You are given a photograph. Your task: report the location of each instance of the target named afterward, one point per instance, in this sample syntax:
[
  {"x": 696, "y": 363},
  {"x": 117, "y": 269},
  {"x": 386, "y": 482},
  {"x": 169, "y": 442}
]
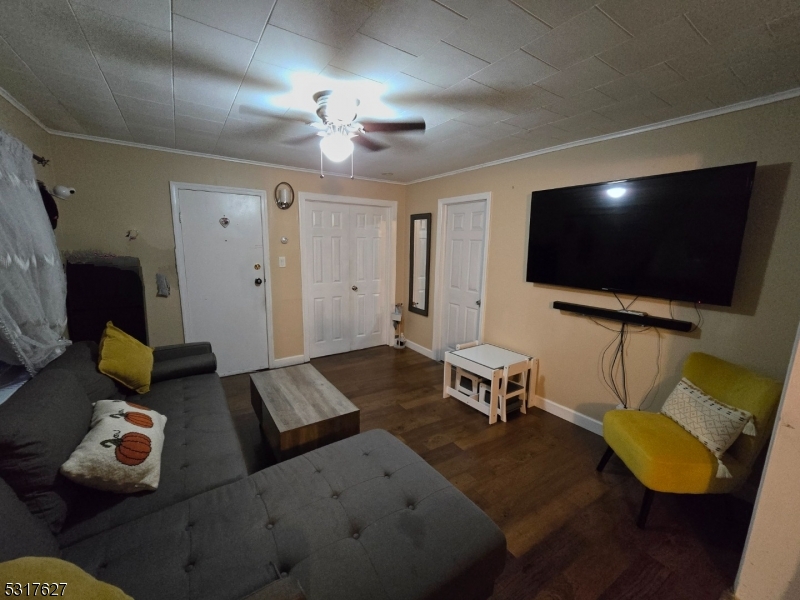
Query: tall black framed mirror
[{"x": 420, "y": 264}]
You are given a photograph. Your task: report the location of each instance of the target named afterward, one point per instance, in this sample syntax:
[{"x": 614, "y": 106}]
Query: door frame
[
  {"x": 438, "y": 288},
  {"x": 304, "y": 198},
  {"x": 174, "y": 189}
]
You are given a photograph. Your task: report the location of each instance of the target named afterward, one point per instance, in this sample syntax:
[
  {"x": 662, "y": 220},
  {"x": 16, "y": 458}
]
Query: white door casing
[
  {"x": 461, "y": 255},
  {"x": 217, "y": 273},
  {"x": 366, "y": 260}
]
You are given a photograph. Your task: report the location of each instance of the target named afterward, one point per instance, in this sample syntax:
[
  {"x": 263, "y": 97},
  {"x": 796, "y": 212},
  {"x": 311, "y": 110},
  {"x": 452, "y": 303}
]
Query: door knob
[
  {"x": 478, "y": 302},
  {"x": 258, "y": 281},
  {"x": 354, "y": 288}
]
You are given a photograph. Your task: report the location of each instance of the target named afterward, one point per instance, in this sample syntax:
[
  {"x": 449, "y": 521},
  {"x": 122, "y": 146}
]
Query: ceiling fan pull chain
[
  {"x": 321, "y": 171},
  {"x": 351, "y": 166}
]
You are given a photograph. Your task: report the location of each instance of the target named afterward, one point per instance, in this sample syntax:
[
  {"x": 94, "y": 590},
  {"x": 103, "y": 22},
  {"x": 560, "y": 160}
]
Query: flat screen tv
[{"x": 675, "y": 236}]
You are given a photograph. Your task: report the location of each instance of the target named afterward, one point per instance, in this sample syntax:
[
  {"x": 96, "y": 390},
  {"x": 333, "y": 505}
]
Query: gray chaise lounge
[{"x": 364, "y": 518}]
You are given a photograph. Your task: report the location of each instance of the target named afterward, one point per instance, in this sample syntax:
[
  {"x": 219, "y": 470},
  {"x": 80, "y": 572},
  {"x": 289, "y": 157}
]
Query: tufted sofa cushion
[
  {"x": 364, "y": 518},
  {"x": 40, "y": 425},
  {"x": 22, "y": 534},
  {"x": 80, "y": 359},
  {"x": 201, "y": 452}
]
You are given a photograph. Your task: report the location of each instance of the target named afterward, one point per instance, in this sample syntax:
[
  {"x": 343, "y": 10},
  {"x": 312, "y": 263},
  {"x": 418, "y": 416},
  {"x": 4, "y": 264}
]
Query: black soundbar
[{"x": 624, "y": 317}]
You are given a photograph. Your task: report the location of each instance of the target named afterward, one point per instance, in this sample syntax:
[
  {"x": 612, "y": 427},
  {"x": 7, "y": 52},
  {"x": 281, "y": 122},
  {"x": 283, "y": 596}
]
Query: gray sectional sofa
[{"x": 364, "y": 518}]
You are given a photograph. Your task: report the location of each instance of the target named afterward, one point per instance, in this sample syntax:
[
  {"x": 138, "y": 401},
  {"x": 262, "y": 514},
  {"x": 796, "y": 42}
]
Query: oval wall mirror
[{"x": 284, "y": 195}]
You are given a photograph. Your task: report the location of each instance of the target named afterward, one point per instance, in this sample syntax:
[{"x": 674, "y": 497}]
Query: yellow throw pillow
[
  {"x": 125, "y": 359},
  {"x": 33, "y": 575}
]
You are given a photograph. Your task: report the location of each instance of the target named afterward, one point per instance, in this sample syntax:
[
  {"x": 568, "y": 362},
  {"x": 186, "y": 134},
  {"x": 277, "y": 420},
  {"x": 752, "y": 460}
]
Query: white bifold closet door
[{"x": 347, "y": 302}]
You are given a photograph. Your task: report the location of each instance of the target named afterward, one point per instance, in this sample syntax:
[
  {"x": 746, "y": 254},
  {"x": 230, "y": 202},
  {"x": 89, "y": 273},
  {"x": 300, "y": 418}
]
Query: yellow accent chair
[{"x": 666, "y": 458}]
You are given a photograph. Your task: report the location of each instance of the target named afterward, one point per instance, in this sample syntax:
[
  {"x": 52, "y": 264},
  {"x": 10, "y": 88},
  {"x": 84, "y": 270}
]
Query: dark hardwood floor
[{"x": 571, "y": 531}]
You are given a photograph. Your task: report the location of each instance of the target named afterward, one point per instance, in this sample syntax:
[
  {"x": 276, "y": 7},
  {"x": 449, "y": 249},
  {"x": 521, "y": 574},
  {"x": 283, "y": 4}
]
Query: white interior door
[
  {"x": 463, "y": 272},
  {"x": 367, "y": 235},
  {"x": 346, "y": 285},
  {"x": 330, "y": 294},
  {"x": 222, "y": 240}
]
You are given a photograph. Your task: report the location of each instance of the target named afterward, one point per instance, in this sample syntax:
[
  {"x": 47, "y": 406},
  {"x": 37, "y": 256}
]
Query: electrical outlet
[{"x": 281, "y": 261}]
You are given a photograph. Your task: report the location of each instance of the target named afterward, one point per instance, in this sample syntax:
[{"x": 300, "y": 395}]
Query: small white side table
[{"x": 497, "y": 365}]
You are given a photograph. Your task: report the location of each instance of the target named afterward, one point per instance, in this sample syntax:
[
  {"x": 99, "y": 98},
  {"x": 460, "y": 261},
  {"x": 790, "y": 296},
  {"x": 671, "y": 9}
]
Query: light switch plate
[{"x": 281, "y": 261}]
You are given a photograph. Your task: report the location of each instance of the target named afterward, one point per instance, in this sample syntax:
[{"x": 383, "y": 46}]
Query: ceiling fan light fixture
[
  {"x": 336, "y": 107},
  {"x": 341, "y": 107},
  {"x": 336, "y": 146}
]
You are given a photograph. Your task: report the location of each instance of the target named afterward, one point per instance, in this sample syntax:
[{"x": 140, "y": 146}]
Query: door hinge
[{"x": 179, "y": 217}]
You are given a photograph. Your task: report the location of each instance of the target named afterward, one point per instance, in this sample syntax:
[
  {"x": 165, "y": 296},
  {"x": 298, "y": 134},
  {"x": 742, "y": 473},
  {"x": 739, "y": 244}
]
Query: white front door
[
  {"x": 346, "y": 284},
  {"x": 222, "y": 239},
  {"x": 463, "y": 272}
]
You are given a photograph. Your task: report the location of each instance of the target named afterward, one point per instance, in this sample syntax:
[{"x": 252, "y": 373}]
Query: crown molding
[
  {"x": 80, "y": 136},
  {"x": 244, "y": 161},
  {"x": 706, "y": 114},
  {"x": 13, "y": 101}
]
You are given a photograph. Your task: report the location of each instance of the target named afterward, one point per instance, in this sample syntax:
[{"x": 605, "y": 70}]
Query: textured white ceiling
[{"x": 492, "y": 78}]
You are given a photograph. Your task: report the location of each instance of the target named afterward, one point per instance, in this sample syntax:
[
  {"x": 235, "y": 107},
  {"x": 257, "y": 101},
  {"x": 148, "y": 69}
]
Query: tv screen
[{"x": 675, "y": 236}]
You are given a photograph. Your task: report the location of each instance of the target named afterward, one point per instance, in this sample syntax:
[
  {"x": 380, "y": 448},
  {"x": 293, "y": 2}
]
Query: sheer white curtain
[{"x": 33, "y": 288}]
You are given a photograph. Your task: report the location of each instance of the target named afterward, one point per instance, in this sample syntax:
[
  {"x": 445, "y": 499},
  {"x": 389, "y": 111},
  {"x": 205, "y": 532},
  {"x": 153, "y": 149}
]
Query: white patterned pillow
[
  {"x": 715, "y": 424},
  {"x": 122, "y": 451}
]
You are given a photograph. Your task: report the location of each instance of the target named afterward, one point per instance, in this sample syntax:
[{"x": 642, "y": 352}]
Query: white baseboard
[
  {"x": 569, "y": 414},
  {"x": 420, "y": 349},
  {"x": 288, "y": 361}
]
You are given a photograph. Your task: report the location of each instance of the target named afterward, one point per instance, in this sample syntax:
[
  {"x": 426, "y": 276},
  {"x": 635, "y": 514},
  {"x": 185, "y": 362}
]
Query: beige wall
[
  {"x": 757, "y": 331},
  {"x": 121, "y": 188},
  {"x": 770, "y": 567}
]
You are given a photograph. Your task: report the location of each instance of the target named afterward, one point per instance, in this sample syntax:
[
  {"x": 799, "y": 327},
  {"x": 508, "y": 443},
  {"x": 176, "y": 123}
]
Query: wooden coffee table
[{"x": 300, "y": 410}]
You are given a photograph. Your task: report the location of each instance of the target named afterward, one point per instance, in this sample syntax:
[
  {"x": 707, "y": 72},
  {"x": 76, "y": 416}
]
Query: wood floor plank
[
  {"x": 642, "y": 580},
  {"x": 571, "y": 531}
]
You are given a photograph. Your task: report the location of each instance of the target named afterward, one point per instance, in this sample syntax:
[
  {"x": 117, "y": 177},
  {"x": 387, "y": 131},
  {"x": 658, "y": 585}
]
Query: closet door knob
[
  {"x": 258, "y": 281},
  {"x": 354, "y": 288}
]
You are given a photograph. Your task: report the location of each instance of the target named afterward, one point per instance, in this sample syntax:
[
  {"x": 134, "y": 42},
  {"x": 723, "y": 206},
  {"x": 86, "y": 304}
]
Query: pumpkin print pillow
[{"x": 122, "y": 451}]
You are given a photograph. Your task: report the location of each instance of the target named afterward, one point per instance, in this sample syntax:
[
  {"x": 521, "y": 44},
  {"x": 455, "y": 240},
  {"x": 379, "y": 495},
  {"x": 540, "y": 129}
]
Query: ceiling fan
[{"x": 340, "y": 130}]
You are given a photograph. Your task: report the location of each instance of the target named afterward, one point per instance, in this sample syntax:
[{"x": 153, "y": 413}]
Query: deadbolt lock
[{"x": 257, "y": 267}]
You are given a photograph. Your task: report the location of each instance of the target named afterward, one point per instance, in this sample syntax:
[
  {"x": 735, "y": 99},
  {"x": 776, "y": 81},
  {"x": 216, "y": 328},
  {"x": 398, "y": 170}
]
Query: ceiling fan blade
[
  {"x": 369, "y": 144},
  {"x": 303, "y": 139},
  {"x": 259, "y": 112},
  {"x": 392, "y": 126}
]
